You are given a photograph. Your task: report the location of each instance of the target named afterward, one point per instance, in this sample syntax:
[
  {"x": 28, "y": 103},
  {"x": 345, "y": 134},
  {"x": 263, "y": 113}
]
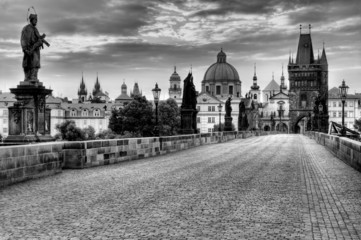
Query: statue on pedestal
[
  {"x": 228, "y": 107},
  {"x": 31, "y": 42}
]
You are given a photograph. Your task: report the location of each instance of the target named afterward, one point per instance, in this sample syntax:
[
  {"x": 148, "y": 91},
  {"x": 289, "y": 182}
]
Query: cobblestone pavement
[{"x": 270, "y": 187}]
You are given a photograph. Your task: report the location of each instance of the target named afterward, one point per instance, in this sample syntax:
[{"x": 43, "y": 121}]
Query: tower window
[
  {"x": 303, "y": 100},
  {"x": 175, "y": 86},
  {"x": 218, "y": 90},
  {"x": 230, "y": 88},
  {"x": 255, "y": 96},
  {"x": 207, "y": 89}
]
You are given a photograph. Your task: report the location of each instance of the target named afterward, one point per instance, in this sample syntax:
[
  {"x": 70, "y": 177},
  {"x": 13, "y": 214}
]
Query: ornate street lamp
[
  {"x": 219, "y": 110},
  {"x": 156, "y": 94},
  {"x": 343, "y": 95}
]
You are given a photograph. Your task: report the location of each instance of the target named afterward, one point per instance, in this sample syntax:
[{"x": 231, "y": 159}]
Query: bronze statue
[
  {"x": 31, "y": 42},
  {"x": 228, "y": 107}
]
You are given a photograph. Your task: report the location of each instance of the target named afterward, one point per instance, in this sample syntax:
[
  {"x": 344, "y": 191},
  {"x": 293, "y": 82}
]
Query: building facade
[{"x": 308, "y": 79}]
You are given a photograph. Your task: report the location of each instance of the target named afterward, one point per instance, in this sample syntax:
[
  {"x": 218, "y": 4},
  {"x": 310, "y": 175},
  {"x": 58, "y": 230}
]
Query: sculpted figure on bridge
[
  {"x": 228, "y": 107},
  {"x": 31, "y": 42},
  {"x": 189, "y": 100}
]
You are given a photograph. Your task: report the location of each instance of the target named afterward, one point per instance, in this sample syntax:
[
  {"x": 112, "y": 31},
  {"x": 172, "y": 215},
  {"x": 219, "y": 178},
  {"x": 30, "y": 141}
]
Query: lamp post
[
  {"x": 343, "y": 94},
  {"x": 156, "y": 94},
  {"x": 219, "y": 110}
]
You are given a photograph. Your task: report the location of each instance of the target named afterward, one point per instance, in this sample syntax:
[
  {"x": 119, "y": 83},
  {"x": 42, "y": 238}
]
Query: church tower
[
  {"x": 175, "y": 90},
  {"x": 255, "y": 92},
  {"x": 82, "y": 91},
  {"x": 97, "y": 89},
  {"x": 308, "y": 80},
  {"x": 283, "y": 85}
]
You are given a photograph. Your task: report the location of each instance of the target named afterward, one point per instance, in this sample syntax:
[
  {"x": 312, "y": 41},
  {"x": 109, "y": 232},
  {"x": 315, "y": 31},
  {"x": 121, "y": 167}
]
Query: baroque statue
[
  {"x": 189, "y": 100},
  {"x": 31, "y": 42},
  {"x": 228, "y": 107}
]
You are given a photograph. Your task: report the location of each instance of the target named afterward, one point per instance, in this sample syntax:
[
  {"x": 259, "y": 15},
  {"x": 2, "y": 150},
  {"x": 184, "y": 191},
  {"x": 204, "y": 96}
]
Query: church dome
[
  {"x": 221, "y": 70},
  {"x": 124, "y": 86},
  {"x": 175, "y": 76}
]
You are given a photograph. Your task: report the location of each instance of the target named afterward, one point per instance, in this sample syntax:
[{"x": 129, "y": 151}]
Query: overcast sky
[{"x": 141, "y": 40}]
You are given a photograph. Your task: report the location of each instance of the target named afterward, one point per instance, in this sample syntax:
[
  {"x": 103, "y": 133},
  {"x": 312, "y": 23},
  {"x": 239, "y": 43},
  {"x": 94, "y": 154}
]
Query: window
[
  {"x": 303, "y": 100},
  {"x": 84, "y": 113},
  {"x": 175, "y": 86},
  {"x": 211, "y": 108},
  {"x": 339, "y": 104},
  {"x": 73, "y": 113},
  {"x": 199, "y": 108},
  {"x": 350, "y": 114},
  {"x": 335, "y": 104},
  {"x": 351, "y": 104},
  {"x": 5, "y": 121},
  {"x": 96, "y": 113},
  {"x": 218, "y": 90},
  {"x": 209, "y": 130},
  {"x": 230, "y": 88},
  {"x": 211, "y": 119},
  {"x": 5, "y": 130},
  {"x": 339, "y": 114},
  {"x": 334, "y": 114},
  {"x": 207, "y": 89},
  {"x": 255, "y": 96},
  {"x": 198, "y": 120}
]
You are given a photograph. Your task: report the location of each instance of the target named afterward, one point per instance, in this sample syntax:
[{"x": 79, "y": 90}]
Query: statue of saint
[
  {"x": 31, "y": 42},
  {"x": 228, "y": 107},
  {"x": 189, "y": 100}
]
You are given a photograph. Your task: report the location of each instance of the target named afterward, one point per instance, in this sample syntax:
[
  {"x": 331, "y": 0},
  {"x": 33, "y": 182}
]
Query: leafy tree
[
  {"x": 89, "y": 133},
  {"x": 69, "y": 131},
  {"x": 106, "y": 134},
  {"x": 136, "y": 117},
  {"x": 169, "y": 117}
]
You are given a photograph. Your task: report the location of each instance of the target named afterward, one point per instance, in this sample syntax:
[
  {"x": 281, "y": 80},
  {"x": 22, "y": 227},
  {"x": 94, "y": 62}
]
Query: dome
[
  {"x": 124, "y": 86},
  {"x": 221, "y": 70},
  {"x": 175, "y": 76}
]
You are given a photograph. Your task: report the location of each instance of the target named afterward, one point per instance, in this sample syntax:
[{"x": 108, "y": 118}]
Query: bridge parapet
[
  {"x": 348, "y": 150},
  {"x": 23, "y": 162}
]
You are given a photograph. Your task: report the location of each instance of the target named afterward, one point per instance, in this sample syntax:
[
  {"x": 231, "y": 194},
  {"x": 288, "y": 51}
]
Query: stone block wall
[
  {"x": 104, "y": 152},
  {"x": 346, "y": 149},
  {"x": 20, "y": 163}
]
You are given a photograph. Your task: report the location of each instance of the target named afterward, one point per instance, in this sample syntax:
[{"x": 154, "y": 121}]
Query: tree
[
  {"x": 136, "y": 117},
  {"x": 69, "y": 131},
  {"x": 89, "y": 133},
  {"x": 169, "y": 117}
]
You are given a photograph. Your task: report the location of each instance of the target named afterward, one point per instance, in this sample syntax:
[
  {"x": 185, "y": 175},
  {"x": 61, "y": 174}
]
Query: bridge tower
[{"x": 308, "y": 79}]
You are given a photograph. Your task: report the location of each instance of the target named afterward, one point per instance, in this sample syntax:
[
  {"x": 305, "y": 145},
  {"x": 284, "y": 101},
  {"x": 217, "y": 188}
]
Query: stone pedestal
[
  {"x": 188, "y": 121},
  {"x": 228, "y": 123},
  {"x": 29, "y": 119},
  {"x": 323, "y": 123}
]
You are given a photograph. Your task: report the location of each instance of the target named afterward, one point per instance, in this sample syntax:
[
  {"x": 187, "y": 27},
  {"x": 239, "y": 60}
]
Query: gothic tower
[
  {"x": 82, "y": 91},
  {"x": 97, "y": 89},
  {"x": 175, "y": 90},
  {"x": 255, "y": 92},
  {"x": 308, "y": 79}
]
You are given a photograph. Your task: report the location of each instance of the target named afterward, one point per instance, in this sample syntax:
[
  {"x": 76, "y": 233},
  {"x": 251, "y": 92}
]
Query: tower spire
[
  {"x": 300, "y": 28},
  {"x": 254, "y": 69},
  {"x": 175, "y": 68}
]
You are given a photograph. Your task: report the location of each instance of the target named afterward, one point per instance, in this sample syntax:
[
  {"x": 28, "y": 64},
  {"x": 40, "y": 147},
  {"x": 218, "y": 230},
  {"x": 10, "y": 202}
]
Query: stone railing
[
  {"x": 346, "y": 149},
  {"x": 20, "y": 163}
]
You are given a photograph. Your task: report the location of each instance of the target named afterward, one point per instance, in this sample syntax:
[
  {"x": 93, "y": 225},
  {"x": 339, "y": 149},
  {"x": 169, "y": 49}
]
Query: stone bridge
[{"x": 266, "y": 187}]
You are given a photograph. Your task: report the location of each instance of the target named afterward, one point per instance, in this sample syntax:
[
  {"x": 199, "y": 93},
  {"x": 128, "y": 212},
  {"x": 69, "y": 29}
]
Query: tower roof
[
  {"x": 323, "y": 56},
  {"x": 305, "y": 50},
  {"x": 82, "y": 88},
  {"x": 273, "y": 85}
]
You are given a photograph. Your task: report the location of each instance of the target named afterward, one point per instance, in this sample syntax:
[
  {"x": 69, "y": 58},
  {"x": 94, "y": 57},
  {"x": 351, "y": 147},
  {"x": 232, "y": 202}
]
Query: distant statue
[
  {"x": 31, "y": 42},
  {"x": 189, "y": 100},
  {"x": 242, "y": 118},
  {"x": 228, "y": 107}
]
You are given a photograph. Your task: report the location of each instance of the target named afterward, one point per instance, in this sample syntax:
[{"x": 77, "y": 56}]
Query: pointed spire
[
  {"x": 289, "y": 57},
  {"x": 273, "y": 76},
  {"x": 175, "y": 69},
  {"x": 254, "y": 69},
  {"x": 309, "y": 28},
  {"x": 323, "y": 56}
]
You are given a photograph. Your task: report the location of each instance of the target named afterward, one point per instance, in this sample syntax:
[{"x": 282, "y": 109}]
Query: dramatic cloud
[{"x": 140, "y": 41}]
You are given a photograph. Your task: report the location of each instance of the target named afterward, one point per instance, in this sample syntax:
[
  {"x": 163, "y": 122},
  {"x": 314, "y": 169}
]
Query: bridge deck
[{"x": 274, "y": 187}]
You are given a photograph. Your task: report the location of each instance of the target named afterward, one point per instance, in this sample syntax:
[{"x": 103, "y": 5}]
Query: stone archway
[
  {"x": 300, "y": 125},
  {"x": 267, "y": 128},
  {"x": 282, "y": 127}
]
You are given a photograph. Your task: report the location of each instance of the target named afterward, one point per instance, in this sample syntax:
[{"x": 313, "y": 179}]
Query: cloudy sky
[{"x": 141, "y": 40}]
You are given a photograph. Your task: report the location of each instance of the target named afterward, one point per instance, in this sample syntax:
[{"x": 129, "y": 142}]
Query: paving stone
[{"x": 267, "y": 187}]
